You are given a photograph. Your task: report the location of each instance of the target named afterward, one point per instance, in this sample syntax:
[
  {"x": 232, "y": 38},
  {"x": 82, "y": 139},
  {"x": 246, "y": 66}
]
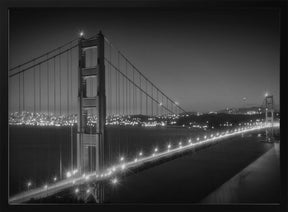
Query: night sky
[{"x": 204, "y": 59}]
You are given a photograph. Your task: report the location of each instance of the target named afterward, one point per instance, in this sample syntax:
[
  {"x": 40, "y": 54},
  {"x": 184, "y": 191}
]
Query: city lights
[
  {"x": 44, "y": 119},
  {"x": 49, "y": 119}
]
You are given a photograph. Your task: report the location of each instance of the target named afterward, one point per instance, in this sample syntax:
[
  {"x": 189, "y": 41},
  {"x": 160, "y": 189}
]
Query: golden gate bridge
[{"x": 90, "y": 84}]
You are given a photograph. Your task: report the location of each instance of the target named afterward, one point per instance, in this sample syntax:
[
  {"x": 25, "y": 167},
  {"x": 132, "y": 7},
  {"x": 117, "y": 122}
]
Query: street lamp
[{"x": 29, "y": 184}]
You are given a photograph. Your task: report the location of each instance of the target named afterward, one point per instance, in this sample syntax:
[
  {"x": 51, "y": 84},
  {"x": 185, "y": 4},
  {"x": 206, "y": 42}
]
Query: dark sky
[{"x": 204, "y": 59}]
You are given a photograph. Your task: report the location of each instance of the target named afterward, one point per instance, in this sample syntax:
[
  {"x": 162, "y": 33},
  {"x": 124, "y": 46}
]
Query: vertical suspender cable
[
  {"x": 133, "y": 90},
  {"x": 123, "y": 102},
  {"x": 109, "y": 94},
  {"x": 146, "y": 97},
  {"x": 161, "y": 104},
  {"x": 126, "y": 87},
  {"x": 118, "y": 81},
  {"x": 68, "y": 112},
  {"x": 71, "y": 124},
  {"x": 167, "y": 106},
  {"x": 136, "y": 106},
  {"x": 54, "y": 83},
  {"x": 71, "y": 80},
  {"x": 34, "y": 92},
  {"x": 110, "y": 79},
  {"x": 40, "y": 87},
  {"x": 48, "y": 102},
  {"x": 130, "y": 98},
  {"x": 140, "y": 95},
  {"x": 137, "y": 99},
  {"x": 116, "y": 91},
  {"x": 157, "y": 101},
  {"x": 23, "y": 84},
  {"x": 60, "y": 81},
  {"x": 174, "y": 109},
  {"x": 152, "y": 100},
  {"x": 19, "y": 101}
]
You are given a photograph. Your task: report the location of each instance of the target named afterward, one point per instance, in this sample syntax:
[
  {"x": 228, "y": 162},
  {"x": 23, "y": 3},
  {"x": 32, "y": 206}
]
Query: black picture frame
[{"x": 7, "y": 5}]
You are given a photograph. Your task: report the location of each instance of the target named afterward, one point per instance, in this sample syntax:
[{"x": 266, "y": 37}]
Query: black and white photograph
[{"x": 143, "y": 105}]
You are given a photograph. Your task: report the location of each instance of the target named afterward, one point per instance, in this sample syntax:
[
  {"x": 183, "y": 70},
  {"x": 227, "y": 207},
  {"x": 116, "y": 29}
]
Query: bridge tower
[
  {"x": 269, "y": 117},
  {"x": 91, "y": 142}
]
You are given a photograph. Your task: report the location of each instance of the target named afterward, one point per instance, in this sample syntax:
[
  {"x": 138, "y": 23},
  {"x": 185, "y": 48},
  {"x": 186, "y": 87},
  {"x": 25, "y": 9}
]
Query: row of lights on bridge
[{"x": 180, "y": 143}]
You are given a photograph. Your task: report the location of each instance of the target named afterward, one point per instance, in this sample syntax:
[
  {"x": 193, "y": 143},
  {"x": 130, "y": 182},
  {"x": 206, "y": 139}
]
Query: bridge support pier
[
  {"x": 269, "y": 117},
  {"x": 91, "y": 139}
]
